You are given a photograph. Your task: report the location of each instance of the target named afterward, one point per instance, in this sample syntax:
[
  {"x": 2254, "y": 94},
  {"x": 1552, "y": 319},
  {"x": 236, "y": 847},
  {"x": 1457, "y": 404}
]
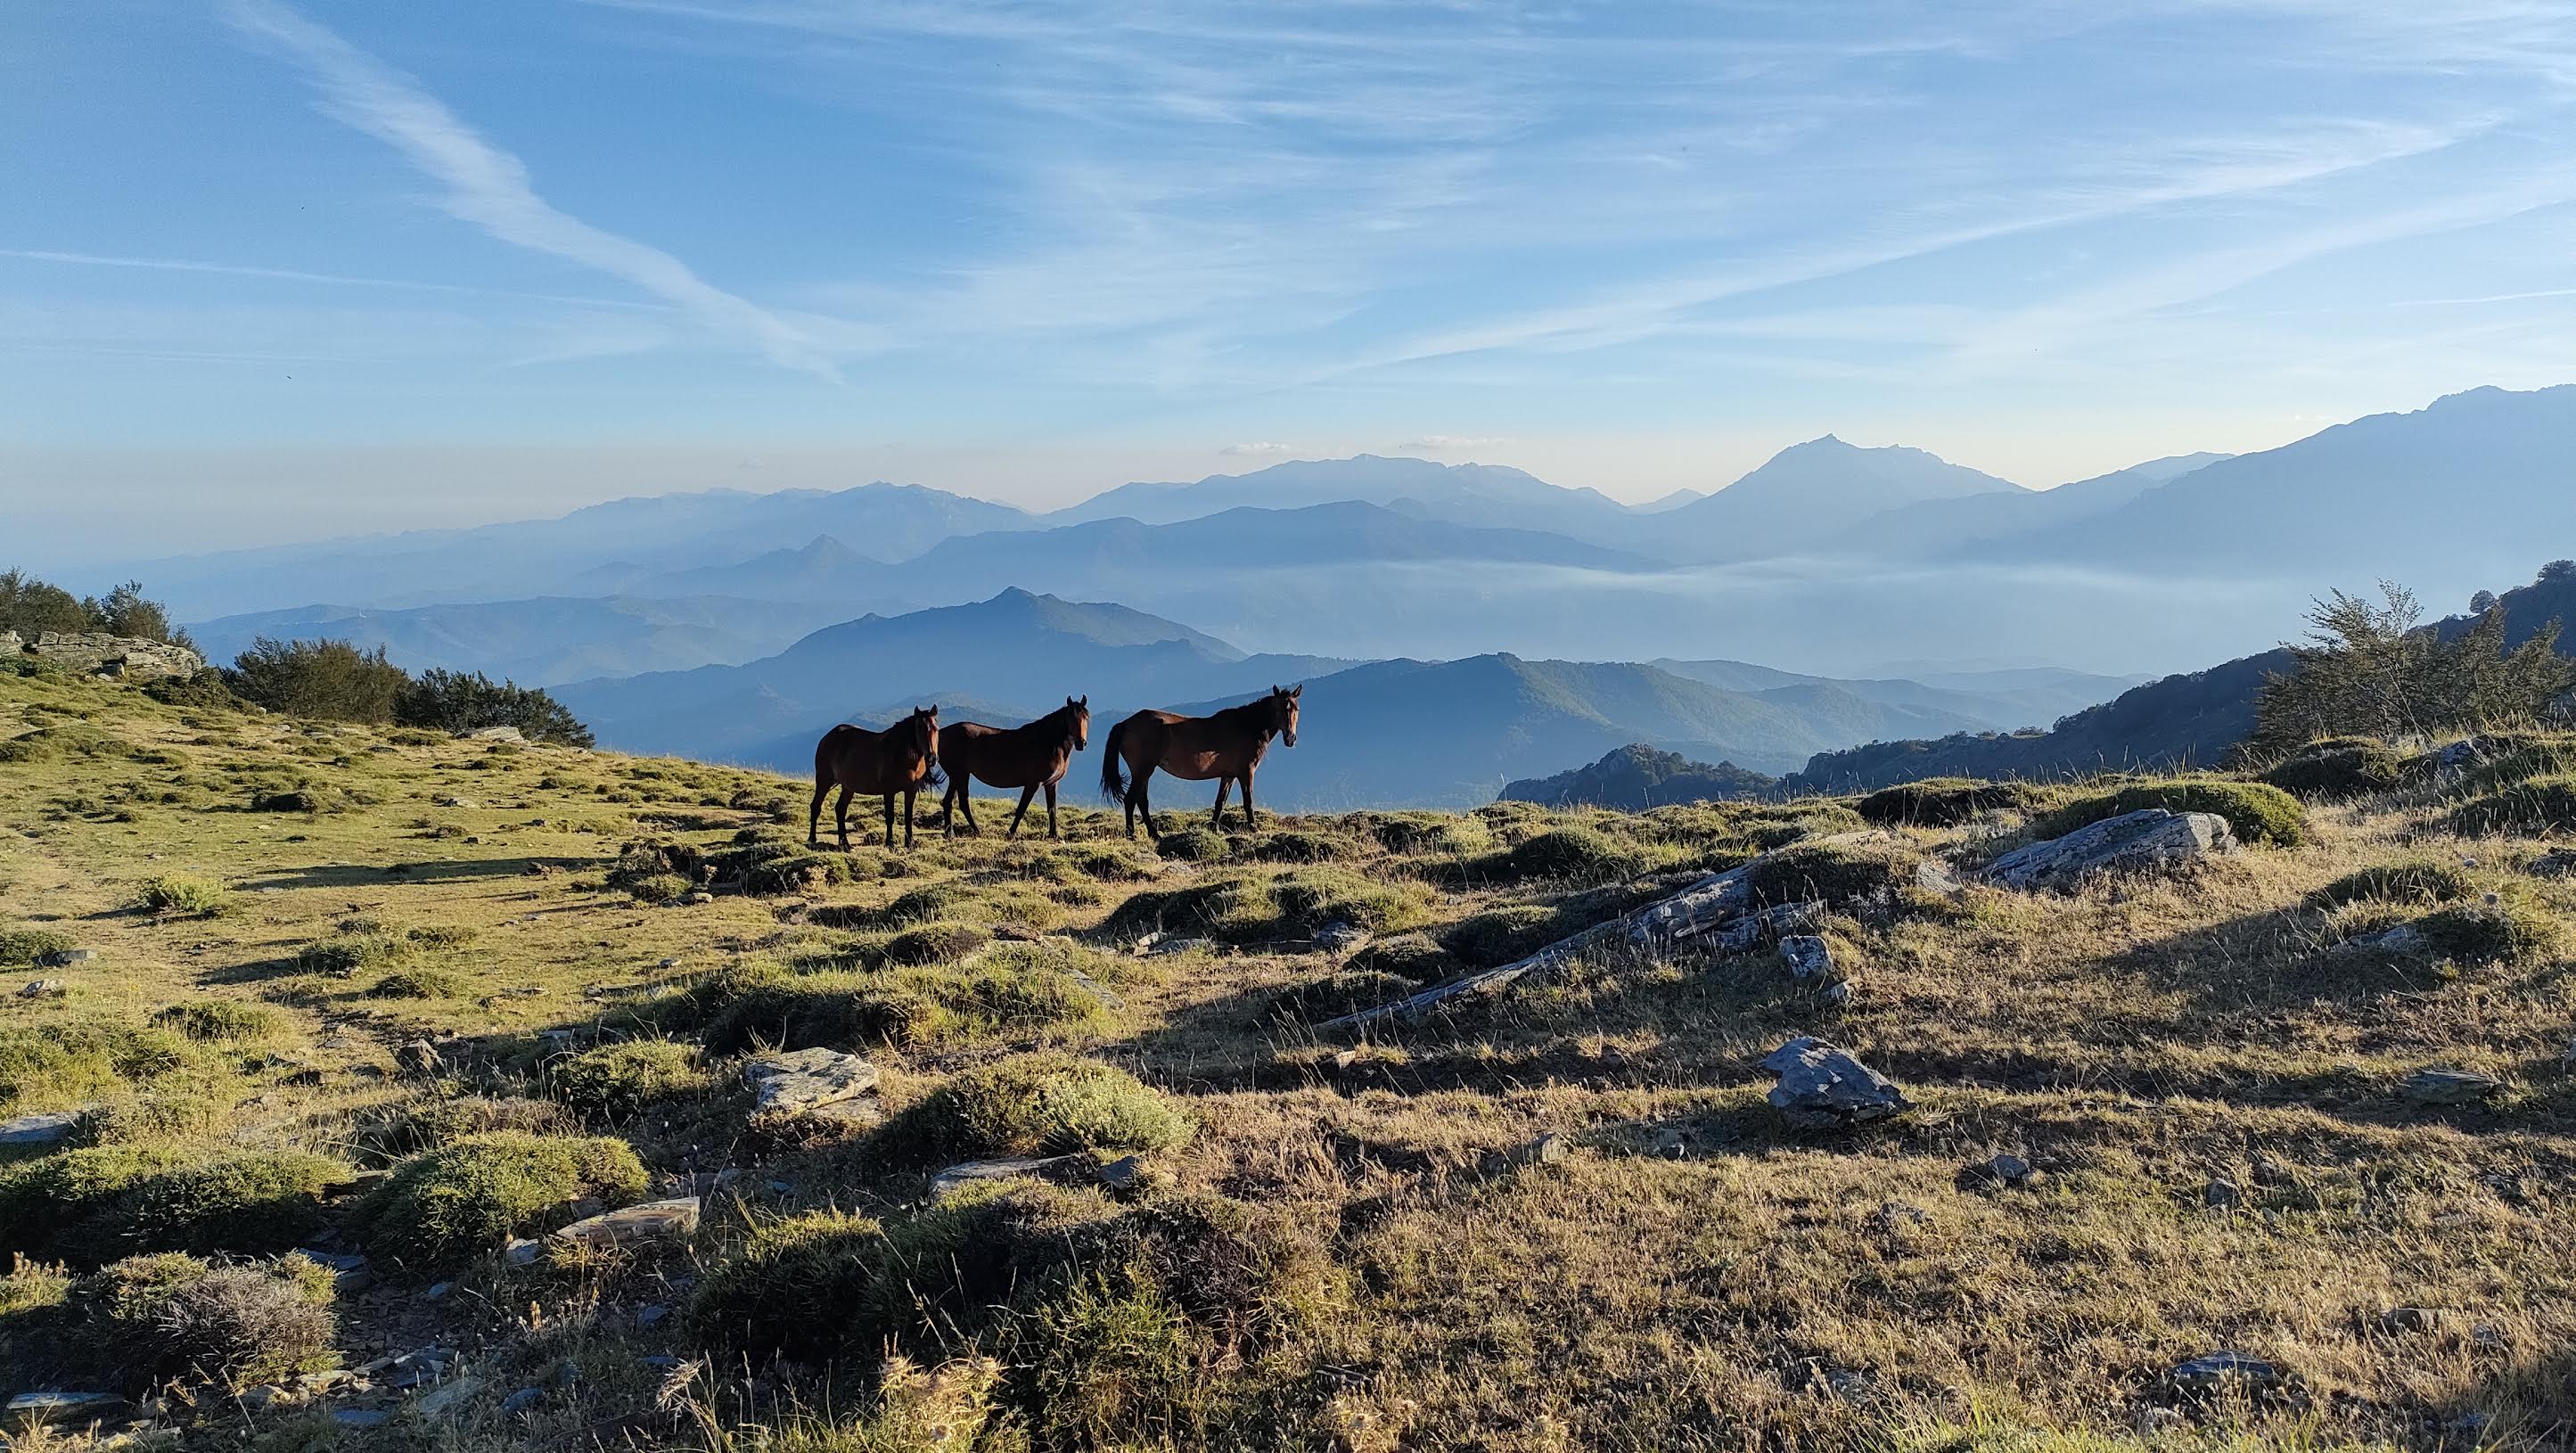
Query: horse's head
[
  {"x": 1283, "y": 711},
  {"x": 921, "y": 732},
  {"x": 1079, "y": 708}
]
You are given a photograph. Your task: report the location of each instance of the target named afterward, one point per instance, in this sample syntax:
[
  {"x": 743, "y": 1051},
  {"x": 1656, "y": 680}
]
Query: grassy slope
[{"x": 1754, "y": 1289}]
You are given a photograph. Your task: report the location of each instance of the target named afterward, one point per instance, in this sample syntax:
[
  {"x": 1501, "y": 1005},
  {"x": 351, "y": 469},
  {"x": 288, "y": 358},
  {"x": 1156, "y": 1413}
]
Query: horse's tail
[{"x": 1113, "y": 763}]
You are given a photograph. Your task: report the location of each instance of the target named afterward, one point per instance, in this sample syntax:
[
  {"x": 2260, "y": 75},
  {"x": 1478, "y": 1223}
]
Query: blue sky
[{"x": 276, "y": 269}]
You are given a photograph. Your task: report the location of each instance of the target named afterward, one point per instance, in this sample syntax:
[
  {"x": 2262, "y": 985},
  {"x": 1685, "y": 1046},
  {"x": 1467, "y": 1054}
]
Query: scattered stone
[
  {"x": 2405, "y": 939},
  {"x": 2556, "y": 863},
  {"x": 650, "y": 1221},
  {"x": 974, "y": 1172},
  {"x": 45, "y": 1128},
  {"x": 668, "y": 964},
  {"x": 1669, "y": 1144},
  {"x": 1838, "y": 992},
  {"x": 1934, "y": 876},
  {"x": 420, "y": 1057},
  {"x": 1807, "y": 956},
  {"x": 454, "y": 802},
  {"x": 350, "y": 1273},
  {"x": 1089, "y": 985},
  {"x": 1160, "y": 947},
  {"x": 437, "y": 1290},
  {"x": 1123, "y": 1174},
  {"x": 33, "y": 1409},
  {"x": 1753, "y": 929},
  {"x": 2139, "y": 841},
  {"x": 522, "y": 1400},
  {"x": 2448, "y": 1087},
  {"x": 523, "y": 1252},
  {"x": 697, "y": 896},
  {"x": 495, "y": 734},
  {"x": 419, "y": 1369},
  {"x": 805, "y": 1080},
  {"x": 1553, "y": 1148},
  {"x": 2221, "y": 1194},
  {"x": 45, "y": 989},
  {"x": 648, "y": 1316},
  {"x": 360, "y": 1419},
  {"x": 64, "y": 958},
  {"x": 97, "y": 653},
  {"x": 260, "y": 1398},
  {"x": 444, "y": 1400},
  {"x": 2410, "y": 1319},
  {"x": 2007, "y": 1169},
  {"x": 1898, "y": 1216},
  {"x": 2220, "y": 1369},
  {"x": 1824, "y": 1087},
  {"x": 1341, "y": 938}
]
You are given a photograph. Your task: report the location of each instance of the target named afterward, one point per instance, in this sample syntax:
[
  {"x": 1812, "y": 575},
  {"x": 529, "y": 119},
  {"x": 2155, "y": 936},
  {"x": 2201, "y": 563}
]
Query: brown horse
[
  {"x": 899, "y": 759},
  {"x": 1027, "y": 757},
  {"x": 1226, "y": 746}
]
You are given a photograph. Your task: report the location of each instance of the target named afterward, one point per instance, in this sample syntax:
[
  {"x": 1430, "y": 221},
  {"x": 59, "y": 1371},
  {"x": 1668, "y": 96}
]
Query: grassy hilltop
[{"x": 396, "y": 995}]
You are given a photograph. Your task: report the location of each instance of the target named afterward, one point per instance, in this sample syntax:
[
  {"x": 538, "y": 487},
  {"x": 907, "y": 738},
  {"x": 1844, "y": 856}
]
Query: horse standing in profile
[
  {"x": 902, "y": 758},
  {"x": 1028, "y": 757},
  {"x": 1226, "y": 746}
]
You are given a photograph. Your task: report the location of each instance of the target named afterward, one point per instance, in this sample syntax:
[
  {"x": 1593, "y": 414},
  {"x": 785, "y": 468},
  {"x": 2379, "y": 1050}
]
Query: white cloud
[
  {"x": 492, "y": 189},
  {"x": 1257, "y": 449},
  {"x": 1451, "y": 443}
]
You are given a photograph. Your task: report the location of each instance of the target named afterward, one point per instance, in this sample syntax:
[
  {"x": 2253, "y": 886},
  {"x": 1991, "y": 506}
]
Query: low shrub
[
  {"x": 2334, "y": 768},
  {"x": 1298, "y": 847},
  {"x": 466, "y": 1196},
  {"x": 417, "y": 984},
  {"x": 223, "y": 1020},
  {"x": 657, "y": 888},
  {"x": 65, "y": 1061},
  {"x": 1568, "y": 853},
  {"x": 406, "y": 1130},
  {"x": 1944, "y": 801},
  {"x": 310, "y": 798},
  {"x": 1414, "y": 956},
  {"x": 935, "y": 943},
  {"x": 1245, "y": 907},
  {"x": 436, "y": 936},
  {"x": 1048, "y": 1103},
  {"x": 2414, "y": 882},
  {"x": 103, "y": 1201},
  {"x": 1335, "y": 995},
  {"x": 1417, "y": 834},
  {"x": 2541, "y": 805},
  {"x": 615, "y": 1079},
  {"x": 1838, "y": 874},
  {"x": 342, "y": 957},
  {"x": 178, "y": 893},
  {"x": 790, "y": 1289},
  {"x": 173, "y": 1315},
  {"x": 21, "y": 946},
  {"x": 2501, "y": 930},
  {"x": 2257, "y": 812},
  {"x": 1193, "y": 845},
  {"x": 1501, "y": 935},
  {"x": 795, "y": 873}
]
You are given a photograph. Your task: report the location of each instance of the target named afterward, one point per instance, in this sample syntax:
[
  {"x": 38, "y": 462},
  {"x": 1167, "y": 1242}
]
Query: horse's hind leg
[
  {"x": 841, "y": 818},
  {"x": 1216, "y": 815},
  {"x": 1144, "y": 805},
  {"x": 1025, "y": 794}
]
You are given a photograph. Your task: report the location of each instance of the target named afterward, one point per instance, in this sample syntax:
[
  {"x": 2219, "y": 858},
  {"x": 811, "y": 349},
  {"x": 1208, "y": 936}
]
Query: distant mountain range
[
  {"x": 541, "y": 642},
  {"x": 1438, "y": 733}
]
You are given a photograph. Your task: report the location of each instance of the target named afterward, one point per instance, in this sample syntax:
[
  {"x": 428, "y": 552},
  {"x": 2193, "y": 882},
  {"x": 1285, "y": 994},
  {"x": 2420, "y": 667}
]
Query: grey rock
[
  {"x": 653, "y": 1315},
  {"x": 1341, "y": 938},
  {"x": 446, "y": 1398},
  {"x": 2221, "y": 1194},
  {"x": 1824, "y": 1087},
  {"x": 650, "y": 1221},
  {"x": 260, "y": 1398},
  {"x": 45, "y": 989},
  {"x": 2556, "y": 863},
  {"x": 64, "y": 958},
  {"x": 522, "y": 1400},
  {"x": 523, "y": 1252},
  {"x": 1163, "y": 946},
  {"x": 2405, "y": 938},
  {"x": 1766, "y": 925},
  {"x": 495, "y": 734},
  {"x": 1669, "y": 1144},
  {"x": 2219, "y": 1369},
  {"x": 2007, "y": 1169},
  {"x": 974, "y": 1172},
  {"x": 1124, "y": 1173},
  {"x": 1934, "y": 876},
  {"x": 95, "y": 653},
  {"x": 46, "y": 1128},
  {"x": 350, "y": 1272},
  {"x": 436, "y": 1290},
  {"x": 420, "y": 1057},
  {"x": 30, "y": 1409},
  {"x": 2411, "y": 1319},
  {"x": 2448, "y": 1087},
  {"x": 2142, "y": 841},
  {"x": 1807, "y": 956},
  {"x": 1553, "y": 1148},
  {"x": 805, "y": 1080}
]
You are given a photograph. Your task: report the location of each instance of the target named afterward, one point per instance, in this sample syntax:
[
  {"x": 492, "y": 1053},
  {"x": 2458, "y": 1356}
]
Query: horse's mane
[{"x": 1239, "y": 715}]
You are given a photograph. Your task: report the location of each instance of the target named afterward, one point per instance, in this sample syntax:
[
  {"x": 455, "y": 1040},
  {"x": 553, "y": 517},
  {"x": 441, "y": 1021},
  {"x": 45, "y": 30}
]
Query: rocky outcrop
[
  {"x": 1826, "y": 1087},
  {"x": 811, "y": 1082},
  {"x": 2136, "y": 842},
  {"x": 95, "y": 653}
]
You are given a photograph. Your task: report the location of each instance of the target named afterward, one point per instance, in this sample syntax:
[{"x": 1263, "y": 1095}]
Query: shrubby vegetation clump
[
  {"x": 1837, "y": 874},
  {"x": 2257, "y": 812},
  {"x": 1046, "y": 1103},
  {"x": 94, "y": 1204},
  {"x": 2371, "y": 669},
  {"x": 232, "y": 1324},
  {"x": 616, "y": 1079},
  {"x": 333, "y": 680},
  {"x": 466, "y": 1196},
  {"x": 2541, "y": 805},
  {"x": 2332, "y": 769},
  {"x": 1946, "y": 801},
  {"x": 30, "y": 607},
  {"x": 2418, "y": 881}
]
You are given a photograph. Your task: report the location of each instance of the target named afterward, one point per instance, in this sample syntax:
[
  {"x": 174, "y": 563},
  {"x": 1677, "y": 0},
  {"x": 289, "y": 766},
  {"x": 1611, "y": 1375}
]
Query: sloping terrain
[{"x": 423, "y": 1004}]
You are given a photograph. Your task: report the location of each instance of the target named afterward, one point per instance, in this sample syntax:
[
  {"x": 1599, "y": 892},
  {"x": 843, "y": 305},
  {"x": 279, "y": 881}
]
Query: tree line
[{"x": 330, "y": 679}]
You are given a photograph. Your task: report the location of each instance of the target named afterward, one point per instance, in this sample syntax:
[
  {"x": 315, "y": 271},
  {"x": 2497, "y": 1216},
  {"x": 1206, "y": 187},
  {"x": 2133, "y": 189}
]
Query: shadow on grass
[{"x": 438, "y": 870}]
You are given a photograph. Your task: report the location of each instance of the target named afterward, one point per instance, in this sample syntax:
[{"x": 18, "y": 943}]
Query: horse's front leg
[
  {"x": 1216, "y": 814},
  {"x": 814, "y": 815},
  {"x": 1052, "y": 833},
  {"x": 1251, "y": 820},
  {"x": 1025, "y": 794}
]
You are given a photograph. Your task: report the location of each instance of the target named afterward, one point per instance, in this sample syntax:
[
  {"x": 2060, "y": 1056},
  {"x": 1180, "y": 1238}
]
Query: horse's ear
[
  {"x": 1085, "y": 702},
  {"x": 1300, "y": 691}
]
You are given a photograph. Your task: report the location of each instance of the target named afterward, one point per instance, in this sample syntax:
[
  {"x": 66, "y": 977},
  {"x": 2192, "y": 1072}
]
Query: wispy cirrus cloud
[
  {"x": 1451, "y": 443},
  {"x": 1256, "y": 450},
  {"x": 492, "y": 189}
]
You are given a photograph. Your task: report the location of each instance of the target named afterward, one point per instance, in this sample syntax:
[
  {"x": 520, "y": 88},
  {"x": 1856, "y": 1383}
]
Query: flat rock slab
[
  {"x": 806, "y": 1080},
  {"x": 671, "y": 1220},
  {"x": 2448, "y": 1087},
  {"x": 48, "y": 1128},
  {"x": 974, "y": 1172},
  {"x": 30, "y": 1409},
  {"x": 64, "y": 958},
  {"x": 1825, "y": 1087},
  {"x": 2148, "y": 840}
]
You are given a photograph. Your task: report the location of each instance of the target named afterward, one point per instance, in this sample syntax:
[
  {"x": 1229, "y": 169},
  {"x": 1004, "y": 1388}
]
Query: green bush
[
  {"x": 1838, "y": 874},
  {"x": 936, "y": 943},
  {"x": 657, "y": 888},
  {"x": 1566, "y": 852},
  {"x": 2335, "y": 768},
  {"x": 2506, "y": 930},
  {"x": 1335, "y": 995},
  {"x": 1502, "y": 935},
  {"x": 1429, "y": 833},
  {"x": 795, "y": 873},
  {"x": 615, "y": 1079},
  {"x": 2257, "y": 812},
  {"x": 2415, "y": 882},
  {"x": 20, "y": 946},
  {"x": 417, "y": 984},
  {"x": 409, "y": 1129},
  {"x": 1244, "y": 907},
  {"x": 173, "y": 1315},
  {"x": 223, "y": 1020},
  {"x": 177, "y": 893},
  {"x": 465, "y": 1197},
  {"x": 791, "y": 1288},
  {"x": 1193, "y": 845},
  {"x": 1048, "y": 1103},
  {"x": 342, "y": 957},
  {"x": 1299, "y": 847},
  {"x": 65, "y": 1061},
  {"x": 104, "y": 1201},
  {"x": 2541, "y": 805},
  {"x": 310, "y": 798},
  {"x": 1944, "y": 801},
  {"x": 328, "y": 679}
]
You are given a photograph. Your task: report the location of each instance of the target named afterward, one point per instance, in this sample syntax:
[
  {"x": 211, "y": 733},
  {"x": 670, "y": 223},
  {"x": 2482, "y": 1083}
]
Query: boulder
[
  {"x": 2146, "y": 840},
  {"x": 494, "y": 734},
  {"x": 2006, "y": 1169},
  {"x": 2214, "y": 1370},
  {"x": 1807, "y": 956},
  {"x": 1772, "y": 923},
  {"x": 44, "y": 989},
  {"x": 805, "y": 1080},
  {"x": 1341, "y": 938},
  {"x": 2448, "y": 1087},
  {"x": 64, "y": 958},
  {"x": 125, "y": 658},
  {"x": 649, "y": 1221},
  {"x": 420, "y": 1057},
  {"x": 958, "y": 1177},
  {"x": 1825, "y": 1087},
  {"x": 45, "y": 1128}
]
